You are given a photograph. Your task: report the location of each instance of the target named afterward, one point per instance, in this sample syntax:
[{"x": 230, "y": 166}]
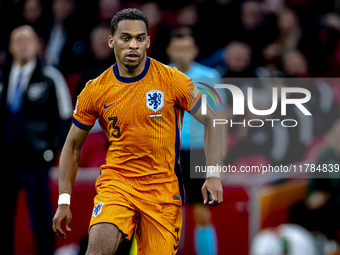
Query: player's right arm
[
  {"x": 84, "y": 117},
  {"x": 68, "y": 167}
]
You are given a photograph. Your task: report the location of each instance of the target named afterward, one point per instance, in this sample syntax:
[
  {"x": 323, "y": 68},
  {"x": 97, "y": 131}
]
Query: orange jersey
[{"x": 142, "y": 117}]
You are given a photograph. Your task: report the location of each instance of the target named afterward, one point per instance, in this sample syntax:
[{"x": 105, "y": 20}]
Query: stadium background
[{"x": 293, "y": 38}]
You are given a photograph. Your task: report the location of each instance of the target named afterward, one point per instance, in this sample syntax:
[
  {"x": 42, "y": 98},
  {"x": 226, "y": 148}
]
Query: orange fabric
[
  {"x": 143, "y": 152},
  {"x": 158, "y": 226}
]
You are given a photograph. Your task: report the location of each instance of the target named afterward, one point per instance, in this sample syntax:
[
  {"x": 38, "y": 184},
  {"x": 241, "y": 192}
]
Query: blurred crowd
[
  {"x": 238, "y": 38},
  {"x": 276, "y": 40},
  {"x": 297, "y": 37}
]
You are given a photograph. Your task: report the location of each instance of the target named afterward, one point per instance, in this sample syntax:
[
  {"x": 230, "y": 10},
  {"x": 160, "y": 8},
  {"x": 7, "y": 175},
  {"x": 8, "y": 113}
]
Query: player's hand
[
  {"x": 63, "y": 213},
  {"x": 214, "y": 186}
]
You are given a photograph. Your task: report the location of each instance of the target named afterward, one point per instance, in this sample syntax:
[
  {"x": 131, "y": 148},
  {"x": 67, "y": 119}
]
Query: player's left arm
[
  {"x": 213, "y": 146},
  {"x": 188, "y": 97}
]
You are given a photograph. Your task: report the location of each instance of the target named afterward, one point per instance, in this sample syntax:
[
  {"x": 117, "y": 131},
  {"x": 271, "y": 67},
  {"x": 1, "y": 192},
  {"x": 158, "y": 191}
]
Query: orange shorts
[{"x": 157, "y": 226}]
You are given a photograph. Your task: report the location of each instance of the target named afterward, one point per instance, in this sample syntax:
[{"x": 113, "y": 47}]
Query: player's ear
[
  {"x": 111, "y": 41},
  {"x": 148, "y": 46}
]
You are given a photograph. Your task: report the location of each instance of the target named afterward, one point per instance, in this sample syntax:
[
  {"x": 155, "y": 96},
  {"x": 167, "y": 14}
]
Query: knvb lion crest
[
  {"x": 97, "y": 209},
  {"x": 155, "y": 100}
]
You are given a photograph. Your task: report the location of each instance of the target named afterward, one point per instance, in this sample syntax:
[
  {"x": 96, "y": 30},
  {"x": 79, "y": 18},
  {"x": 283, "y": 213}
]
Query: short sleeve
[
  {"x": 187, "y": 96},
  {"x": 84, "y": 115}
]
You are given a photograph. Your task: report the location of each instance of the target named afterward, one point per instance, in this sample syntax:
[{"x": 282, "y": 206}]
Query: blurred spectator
[
  {"x": 289, "y": 144},
  {"x": 34, "y": 16},
  {"x": 254, "y": 25},
  {"x": 36, "y": 107},
  {"x": 320, "y": 210},
  {"x": 99, "y": 45},
  {"x": 273, "y": 6},
  {"x": 158, "y": 31},
  {"x": 281, "y": 145},
  {"x": 252, "y": 141},
  {"x": 322, "y": 104},
  {"x": 251, "y": 16},
  {"x": 290, "y": 30},
  {"x": 272, "y": 58},
  {"x": 182, "y": 51},
  {"x": 32, "y": 11},
  {"x": 106, "y": 10},
  {"x": 103, "y": 56},
  {"x": 61, "y": 9},
  {"x": 238, "y": 58},
  {"x": 217, "y": 18},
  {"x": 295, "y": 64},
  {"x": 293, "y": 37},
  {"x": 66, "y": 45},
  {"x": 6, "y": 25},
  {"x": 328, "y": 33},
  {"x": 189, "y": 16}
]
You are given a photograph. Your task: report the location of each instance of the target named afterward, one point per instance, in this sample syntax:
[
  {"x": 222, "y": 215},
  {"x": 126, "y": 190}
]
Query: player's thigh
[
  {"x": 159, "y": 230},
  {"x": 114, "y": 207},
  {"x": 104, "y": 239}
]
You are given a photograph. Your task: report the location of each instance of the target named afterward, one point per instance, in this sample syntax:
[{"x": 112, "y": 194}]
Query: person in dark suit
[{"x": 35, "y": 107}]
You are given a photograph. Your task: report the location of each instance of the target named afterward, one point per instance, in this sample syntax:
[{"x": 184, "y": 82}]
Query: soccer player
[{"x": 139, "y": 103}]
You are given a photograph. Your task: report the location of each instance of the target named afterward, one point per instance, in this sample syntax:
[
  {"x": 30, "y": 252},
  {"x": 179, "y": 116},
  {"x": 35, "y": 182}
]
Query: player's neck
[{"x": 125, "y": 72}]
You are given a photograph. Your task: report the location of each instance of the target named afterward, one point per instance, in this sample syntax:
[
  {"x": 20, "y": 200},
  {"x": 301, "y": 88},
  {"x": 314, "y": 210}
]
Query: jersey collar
[{"x": 132, "y": 79}]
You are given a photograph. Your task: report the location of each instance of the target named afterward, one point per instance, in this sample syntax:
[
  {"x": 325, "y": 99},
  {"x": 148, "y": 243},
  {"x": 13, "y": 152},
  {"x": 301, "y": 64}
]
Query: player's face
[{"x": 130, "y": 43}]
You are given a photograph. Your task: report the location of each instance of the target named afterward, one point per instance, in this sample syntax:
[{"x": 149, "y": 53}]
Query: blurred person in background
[
  {"x": 33, "y": 14},
  {"x": 159, "y": 32},
  {"x": 61, "y": 11},
  {"x": 293, "y": 37},
  {"x": 6, "y": 27},
  {"x": 253, "y": 24},
  {"x": 278, "y": 144},
  {"x": 295, "y": 64},
  {"x": 188, "y": 16},
  {"x": 36, "y": 107},
  {"x": 102, "y": 56},
  {"x": 182, "y": 51},
  {"x": 289, "y": 144},
  {"x": 214, "y": 16},
  {"x": 273, "y": 6},
  {"x": 252, "y": 141},
  {"x": 329, "y": 36},
  {"x": 321, "y": 208},
  {"x": 66, "y": 44},
  {"x": 322, "y": 104},
  {"x": 106, "y": 10},
  {"x": 290, "y": 30},
  {"x": 238, "y": 59}
]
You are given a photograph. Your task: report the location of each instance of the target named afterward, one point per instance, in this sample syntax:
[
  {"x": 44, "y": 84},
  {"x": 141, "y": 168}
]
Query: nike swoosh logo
[
  {"x": 107, "y": 106},
  {"x": 176, "y": 247}
]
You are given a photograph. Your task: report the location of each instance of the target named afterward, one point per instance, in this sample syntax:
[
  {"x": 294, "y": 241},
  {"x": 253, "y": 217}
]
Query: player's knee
[{"x": 99, "y": 236}]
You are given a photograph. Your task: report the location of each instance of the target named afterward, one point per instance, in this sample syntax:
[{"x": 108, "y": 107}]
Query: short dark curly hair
[{"x": 128, "y": 14}]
